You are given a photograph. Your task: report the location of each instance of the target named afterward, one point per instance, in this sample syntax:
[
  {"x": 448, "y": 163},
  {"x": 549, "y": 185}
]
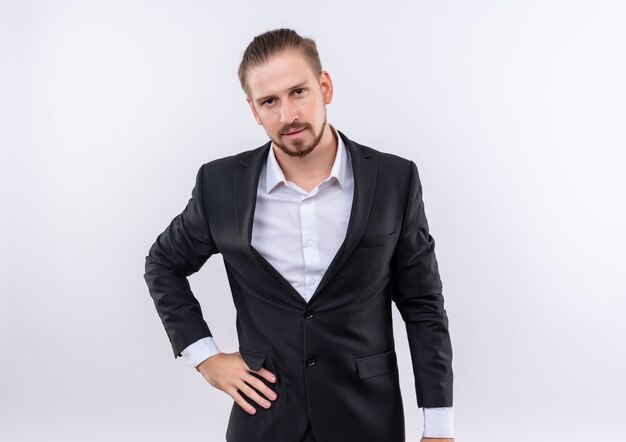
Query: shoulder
[
  {"x": 233, "y": 161},
  {"x": 224, "y": 166},
  {"x": 387, "y": 161}
]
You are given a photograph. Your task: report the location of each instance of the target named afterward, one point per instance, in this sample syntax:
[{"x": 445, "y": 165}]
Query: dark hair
[{"x": 270, "y": 43}]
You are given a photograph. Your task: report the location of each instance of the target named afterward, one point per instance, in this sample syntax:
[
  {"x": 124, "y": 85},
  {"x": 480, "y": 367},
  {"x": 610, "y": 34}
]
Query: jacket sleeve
[
  {"x": 179, "y": 251},
  {"x": 417, "y": 292}
]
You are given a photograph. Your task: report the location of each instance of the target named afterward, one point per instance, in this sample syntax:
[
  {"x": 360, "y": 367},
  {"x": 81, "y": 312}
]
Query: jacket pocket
[
  {"x": 253, "y": 358},
  {"x": 371, "y": 366},
  {"x": 376, "y": 240}
]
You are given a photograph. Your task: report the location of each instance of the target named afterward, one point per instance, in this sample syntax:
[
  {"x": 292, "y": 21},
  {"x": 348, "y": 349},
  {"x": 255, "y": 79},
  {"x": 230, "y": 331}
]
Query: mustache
[{"x": 293, "y": 128}]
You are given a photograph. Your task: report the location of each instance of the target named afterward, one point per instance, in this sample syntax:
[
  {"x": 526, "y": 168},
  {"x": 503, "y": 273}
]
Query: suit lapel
[
  {"x": 365, "y": 173},
  {"x": 246, "y": 179}
]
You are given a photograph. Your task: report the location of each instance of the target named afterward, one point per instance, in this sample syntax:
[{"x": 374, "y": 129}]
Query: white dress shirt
[{"x": 299, "y": 233}]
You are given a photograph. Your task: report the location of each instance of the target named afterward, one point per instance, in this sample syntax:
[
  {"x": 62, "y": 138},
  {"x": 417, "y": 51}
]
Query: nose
[{"x": 288, "y": 112}]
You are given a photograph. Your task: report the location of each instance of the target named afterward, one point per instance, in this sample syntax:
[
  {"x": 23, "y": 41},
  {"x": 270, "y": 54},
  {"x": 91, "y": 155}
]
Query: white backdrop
[{"x": 514, "y": 112}]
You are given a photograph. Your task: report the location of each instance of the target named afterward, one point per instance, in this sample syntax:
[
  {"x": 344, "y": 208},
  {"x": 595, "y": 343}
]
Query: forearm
[
  {"x": 417, "y": 292},
  {"x": 175, "y": 303},
  {"x": 179, "y": 251}
]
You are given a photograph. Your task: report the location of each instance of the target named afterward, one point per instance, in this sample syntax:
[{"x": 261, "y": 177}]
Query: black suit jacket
[{"x": 334, "y": 356}]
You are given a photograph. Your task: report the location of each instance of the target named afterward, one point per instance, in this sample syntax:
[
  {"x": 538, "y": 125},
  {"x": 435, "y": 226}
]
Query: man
[{"x": 318, "y": 234}]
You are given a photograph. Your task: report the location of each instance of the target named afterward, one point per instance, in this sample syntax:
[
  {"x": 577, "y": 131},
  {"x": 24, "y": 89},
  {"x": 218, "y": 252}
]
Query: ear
[
  {"x": 256, "y": 116},
  {"x": 327, "y": 87}
]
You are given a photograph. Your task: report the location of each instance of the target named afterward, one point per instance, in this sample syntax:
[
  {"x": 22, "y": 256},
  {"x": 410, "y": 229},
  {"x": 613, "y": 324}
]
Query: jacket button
[
  {"x": 308, "y": 314},
  {"x": 310, "y": 361}
]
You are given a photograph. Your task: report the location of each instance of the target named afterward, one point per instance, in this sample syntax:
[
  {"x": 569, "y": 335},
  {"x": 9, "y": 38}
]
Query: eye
[
  {"x": 299, "y": 91},
  {"x": 268, "y": 101}
]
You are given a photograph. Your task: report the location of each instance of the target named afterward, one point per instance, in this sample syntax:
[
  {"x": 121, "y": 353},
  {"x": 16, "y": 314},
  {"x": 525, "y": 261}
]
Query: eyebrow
[{"x": 299, "y": 85}]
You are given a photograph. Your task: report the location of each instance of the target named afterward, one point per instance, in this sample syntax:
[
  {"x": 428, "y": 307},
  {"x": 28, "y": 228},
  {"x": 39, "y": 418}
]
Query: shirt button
[
  {"x": 308, "y": 314},
  {"x": 309, "y": 242},
  {"x": 305, "y": 201},
  {"x": 310, "y": 281},
  {"x": 310, "y": 361}
]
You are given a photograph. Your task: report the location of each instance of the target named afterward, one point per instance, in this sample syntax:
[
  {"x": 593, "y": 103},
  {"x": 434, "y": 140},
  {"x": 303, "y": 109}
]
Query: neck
[{"x": 313, "y": 167}]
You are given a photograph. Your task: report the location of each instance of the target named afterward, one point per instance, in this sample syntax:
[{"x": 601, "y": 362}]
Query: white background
[{"x": 514, "y": 112}]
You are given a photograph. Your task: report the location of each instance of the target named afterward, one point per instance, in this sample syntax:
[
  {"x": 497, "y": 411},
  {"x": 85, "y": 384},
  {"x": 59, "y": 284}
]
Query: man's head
[{"x": 287, "y": 90}]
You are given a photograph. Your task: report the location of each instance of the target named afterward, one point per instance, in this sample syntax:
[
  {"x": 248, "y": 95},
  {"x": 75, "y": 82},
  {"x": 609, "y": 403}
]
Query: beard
[{"x": 298, "y": 147}]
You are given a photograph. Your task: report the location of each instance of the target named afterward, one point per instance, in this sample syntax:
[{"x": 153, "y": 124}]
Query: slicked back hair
[{"x": 270, "y": 43}]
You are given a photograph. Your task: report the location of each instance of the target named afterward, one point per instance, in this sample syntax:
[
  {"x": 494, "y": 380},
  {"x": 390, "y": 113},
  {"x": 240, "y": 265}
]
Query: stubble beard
[{"x": 299, "y": 148}]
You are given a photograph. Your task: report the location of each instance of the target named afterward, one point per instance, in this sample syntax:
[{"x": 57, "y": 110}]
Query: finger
[
  {"x": 252, "y": 394},
  {"x": 239, "y": 400},
  {"x": 266, "y": 374},
  {"x": 259, "y": 385}
]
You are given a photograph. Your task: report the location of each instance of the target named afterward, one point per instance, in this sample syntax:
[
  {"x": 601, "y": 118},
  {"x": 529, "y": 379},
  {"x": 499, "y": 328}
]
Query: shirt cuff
[
  {"x": 439, "y": 422},
  {"x": 200, "y": 351}
]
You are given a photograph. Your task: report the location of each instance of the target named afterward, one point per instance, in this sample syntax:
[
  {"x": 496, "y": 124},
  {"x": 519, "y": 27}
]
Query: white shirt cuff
[
  {"x": 439, "y": 422},
  {"x": 199, "y": 351}
]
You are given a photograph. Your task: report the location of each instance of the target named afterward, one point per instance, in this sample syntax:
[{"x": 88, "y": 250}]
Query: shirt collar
[{"x": 274, "y": 174}]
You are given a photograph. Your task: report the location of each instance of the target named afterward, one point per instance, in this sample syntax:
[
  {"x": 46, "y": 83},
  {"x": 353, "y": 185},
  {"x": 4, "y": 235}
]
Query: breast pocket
[{"x": 376, "y": 240}]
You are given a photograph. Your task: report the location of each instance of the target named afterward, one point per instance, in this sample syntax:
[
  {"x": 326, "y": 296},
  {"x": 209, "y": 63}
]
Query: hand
[
  {"x": 437, "y": 439},
  {"x": 229, "y": 372}
]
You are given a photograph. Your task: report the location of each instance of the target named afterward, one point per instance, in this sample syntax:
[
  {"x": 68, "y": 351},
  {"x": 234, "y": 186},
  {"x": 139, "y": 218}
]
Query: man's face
[{"x": 289, "y": 100}]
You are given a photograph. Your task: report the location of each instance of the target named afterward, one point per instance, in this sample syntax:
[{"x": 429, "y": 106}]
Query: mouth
[{"x": 295, "y": 133}]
